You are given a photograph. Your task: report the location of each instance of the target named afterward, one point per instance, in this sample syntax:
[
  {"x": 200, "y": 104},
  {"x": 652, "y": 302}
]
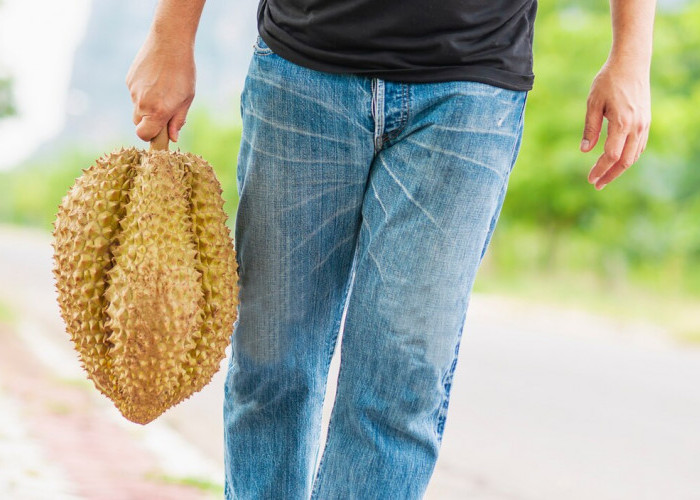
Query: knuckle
[
  {"x": 151, "y": 105},
  {"x": 611, "y": 156},
  {"x": 622, "y": 123},
  {"x": 590, "y": 132},
  {"x": 154, "y": 109},
  {"x": 642, "y": 123},
  {"x": 625, "y": 119},
  {"x": 159, "y": 111}
]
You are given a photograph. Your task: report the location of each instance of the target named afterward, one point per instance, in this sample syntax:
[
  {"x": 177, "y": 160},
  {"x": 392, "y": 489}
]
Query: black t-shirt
[{"x": 489, "y": 41}]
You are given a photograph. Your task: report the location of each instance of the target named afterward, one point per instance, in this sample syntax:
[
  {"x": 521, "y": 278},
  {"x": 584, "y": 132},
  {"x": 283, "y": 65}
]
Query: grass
[
  {"x": 7, "y": 314},
  {"x": 59, "y": 408},
  {"x": 74, "y": 382},
  {"x": 195, "y": 482}
]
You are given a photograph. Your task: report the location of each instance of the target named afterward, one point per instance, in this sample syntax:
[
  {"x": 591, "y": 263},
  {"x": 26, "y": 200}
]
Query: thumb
[
  {"x": 591, "y": 129},
  {"x": 177, "y": 122},
  {"x": 149, "y": 127}
]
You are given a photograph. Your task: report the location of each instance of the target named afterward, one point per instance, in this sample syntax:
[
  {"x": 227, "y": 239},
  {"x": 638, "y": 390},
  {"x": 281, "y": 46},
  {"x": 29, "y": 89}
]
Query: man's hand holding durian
[{"x": 162, "y": 77}]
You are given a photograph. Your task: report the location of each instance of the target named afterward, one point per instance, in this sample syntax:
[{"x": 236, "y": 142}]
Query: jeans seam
[
  {"x": 329, "y": 357},
  {"x": 520, "y": 132},
  {"x": 447, "y": 378},
  {"x": 319, "y": 469},
  {"x": 405, "y": 114},
  {"x": 504, "y": 184},
  {"x": 449, "y": 375},
  {"x": 378, "y": 100}
]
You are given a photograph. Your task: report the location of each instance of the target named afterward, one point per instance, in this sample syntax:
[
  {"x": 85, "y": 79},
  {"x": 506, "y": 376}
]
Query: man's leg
[
  {"x": 305, "y": 152},
  {"x": 435, "y": 190}
]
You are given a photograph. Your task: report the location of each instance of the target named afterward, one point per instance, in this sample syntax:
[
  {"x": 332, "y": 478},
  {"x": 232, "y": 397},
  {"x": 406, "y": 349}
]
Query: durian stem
[{"x": 160, "y": 142}]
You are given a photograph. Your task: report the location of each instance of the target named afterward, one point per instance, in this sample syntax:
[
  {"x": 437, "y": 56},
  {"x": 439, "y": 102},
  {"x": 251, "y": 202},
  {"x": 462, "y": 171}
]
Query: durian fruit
[{"x": 146, "y": 276}]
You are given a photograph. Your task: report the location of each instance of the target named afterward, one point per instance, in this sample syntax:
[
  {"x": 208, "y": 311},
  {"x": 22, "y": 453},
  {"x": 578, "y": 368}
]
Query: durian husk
[{"x": 146, "y": 277}]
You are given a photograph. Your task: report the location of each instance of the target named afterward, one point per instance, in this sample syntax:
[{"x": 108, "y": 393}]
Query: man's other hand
[
  {"x": 621, "y": 94},
  {"x": 161, "y": 81}
]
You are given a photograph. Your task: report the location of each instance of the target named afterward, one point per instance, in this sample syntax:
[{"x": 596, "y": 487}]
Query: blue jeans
[{"x": 376, "y": 193}]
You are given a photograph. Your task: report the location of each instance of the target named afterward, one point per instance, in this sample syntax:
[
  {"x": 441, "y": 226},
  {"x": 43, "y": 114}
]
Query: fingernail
[{"x": 584, "y": 144}]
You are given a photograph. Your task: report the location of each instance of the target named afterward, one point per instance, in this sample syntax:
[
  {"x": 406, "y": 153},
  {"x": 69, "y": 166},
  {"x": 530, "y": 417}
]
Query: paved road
[{"x": 546, "y": 404}]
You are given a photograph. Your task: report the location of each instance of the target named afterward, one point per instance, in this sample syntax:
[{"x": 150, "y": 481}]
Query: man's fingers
[
  {"x": 612, "y": 153},
  {"x": 155, "y": 110},
  {"x": 640, "y": 149},
  {"x": 592, "y": 126},
  {"x": 150, "y": 116},
  {"x": 149, "y": 127},
  {"x": 643, "y": 141},
  {"x": 177, "y": 122},
  {"x": 136, "y": 117},
  {"x": 627, "y": 158}
]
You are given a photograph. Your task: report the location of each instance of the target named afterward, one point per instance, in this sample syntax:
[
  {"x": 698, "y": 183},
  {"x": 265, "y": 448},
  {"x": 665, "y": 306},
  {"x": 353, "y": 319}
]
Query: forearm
[
  {"x": 620, "y": 92},
  {"x": 177, "y": 20},
  {"x": 162, "y": 77},
  {"x": 632, "y": 26}
]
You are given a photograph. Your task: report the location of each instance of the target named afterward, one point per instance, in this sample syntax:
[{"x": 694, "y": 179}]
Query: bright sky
[{"x": 37, "y": 42}]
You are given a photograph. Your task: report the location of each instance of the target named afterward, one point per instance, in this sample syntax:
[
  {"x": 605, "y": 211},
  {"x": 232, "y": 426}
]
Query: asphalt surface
[{"x": 546, "y": 404}]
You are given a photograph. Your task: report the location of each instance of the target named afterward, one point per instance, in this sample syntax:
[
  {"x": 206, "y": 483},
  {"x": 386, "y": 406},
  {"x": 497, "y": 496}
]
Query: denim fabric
[{"x": 382, "y": 194}]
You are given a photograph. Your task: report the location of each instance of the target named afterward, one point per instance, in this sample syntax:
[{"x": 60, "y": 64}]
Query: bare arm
[
  {"x": 620, "y": 92},
  {"x": 162, "y": 77}
]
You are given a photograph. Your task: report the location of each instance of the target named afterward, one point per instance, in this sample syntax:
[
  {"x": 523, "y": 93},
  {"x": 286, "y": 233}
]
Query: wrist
[
  {"x": 167, "y": 43},
  {"x": 166, "y": 35},
  {"x": 632, "y": 62}
]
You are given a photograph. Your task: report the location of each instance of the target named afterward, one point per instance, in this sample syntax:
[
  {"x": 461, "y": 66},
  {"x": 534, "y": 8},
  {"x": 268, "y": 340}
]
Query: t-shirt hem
[{"x": 484, "y": 74}]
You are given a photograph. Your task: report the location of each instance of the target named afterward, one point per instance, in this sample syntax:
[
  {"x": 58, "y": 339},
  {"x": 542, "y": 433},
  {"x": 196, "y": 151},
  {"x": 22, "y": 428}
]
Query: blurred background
[{"x": 579, "y": 369}]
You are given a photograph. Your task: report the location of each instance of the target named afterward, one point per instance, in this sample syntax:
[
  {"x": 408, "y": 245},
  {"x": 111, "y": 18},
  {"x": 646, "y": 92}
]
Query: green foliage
[
  {"x": 7, "y": 313},
  {"x": 642, "y": 226},
  {"x": 30, "y": 194},
  {"x": 7, "y": 105},
  {"x": 217, "y": 143},
  {"x": 203, "y": 485}
]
